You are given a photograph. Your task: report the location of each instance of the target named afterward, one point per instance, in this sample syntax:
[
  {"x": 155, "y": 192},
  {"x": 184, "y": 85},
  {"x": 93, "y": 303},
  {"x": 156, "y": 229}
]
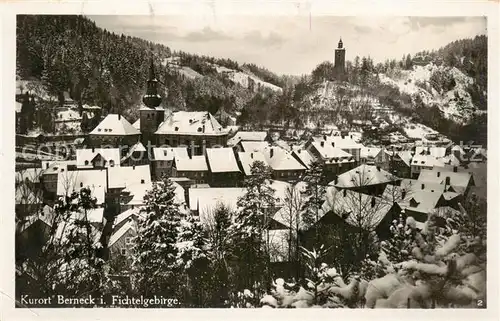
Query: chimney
[
  {"x": 142, "y": 181},
  {"x": 119, "y": 116},
  {"x": 271, "y": 152},
  {"x": 133, "y": 167},
  {"x": 423, "y": 186},
  {"x": 403, "y": 193},
  {"x": 251, "y": 155},
  {"x": 203, "y": 128},
  {"x": 351, "y": 136},
  {"x": 324, "y": 137},
  {"x": 378, "y": 168},
  {"x": 47, "y": 165},
  {"x": 455, "y": 169},
  {"x": 373, "y": 202},
  {"x": 438, "y": 174},
  {"x": 447, "y": 181},
  {"x": 322, "y": 144},
  {"x": 93, "y": 149},
  {"x": 336, "y": 180},
  {"x": 333, "y": 144},
  {"x": 345, "y": 193}
]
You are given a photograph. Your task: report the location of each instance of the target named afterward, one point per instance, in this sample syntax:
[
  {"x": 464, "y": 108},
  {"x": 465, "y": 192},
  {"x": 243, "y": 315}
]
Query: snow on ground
[
  {"x": 417, "y": 131},
  {"x": 456, "y": 104},
  {"x": 189, "y": 73},
  {"x": 242, "y": 78}
]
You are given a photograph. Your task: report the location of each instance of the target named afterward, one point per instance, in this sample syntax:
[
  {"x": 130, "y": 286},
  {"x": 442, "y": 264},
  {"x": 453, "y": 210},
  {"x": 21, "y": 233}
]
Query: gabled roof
[
  {"x": 205, "y": 200},
  {"x": 194, "y": 163},
  {"x": 136, "y": 148},
  {"x": 46, "y": 215},
  {"x": 94, "y": 179},
  {"x": 356, "y": 207},
  {"x": 438, "y": 176},
  {"x": 328, "y": 151},
  {"x": 137, "y": 124},
  {"x": 118, "y": 234},
  {"x": 67, "y": 115},
  {"x": 280, "y": 159},
  {"x": 130, "y": 213},
  {"x": 27, "y": 195},
  {"x": 343, "y": 142},
  {"x": 438, "y": 152},
  {"x": 248, "y": 158},
  {"x": 418, "y": 200},
  {"x": 254, "y": 146},
  {"x": 364, "y": 175},
  {"x": 168, "y": 153},
  {"x": 115, "y": 125},
  {"x": 222, "y": 160},
  {"x": 427, "y": 160},
  {"x": 88, "y": 154},
  {"x": 122, "y": 177},
  {"x": 369, "y": 152},
  {"x": 94, "y": 215},
  {"x": 405, "y": 156},
  {"x": 247, "y": 136},
  {"x": 192, "y": 123}
]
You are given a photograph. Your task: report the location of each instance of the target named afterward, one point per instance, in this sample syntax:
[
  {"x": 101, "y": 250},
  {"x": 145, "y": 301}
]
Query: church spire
[
  {"x": 152, "y": 99},
  {"x": 341, "y": 44}
]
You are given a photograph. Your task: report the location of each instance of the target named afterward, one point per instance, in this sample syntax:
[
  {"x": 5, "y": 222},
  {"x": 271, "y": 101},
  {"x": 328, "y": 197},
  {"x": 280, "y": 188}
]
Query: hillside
[{"x": 97, "y": 67}]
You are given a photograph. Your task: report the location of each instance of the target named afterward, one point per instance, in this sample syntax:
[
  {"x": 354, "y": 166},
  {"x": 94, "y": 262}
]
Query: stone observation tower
[
  {"x": 151, "y": 114},
  {"x": 339, "y": 64}
]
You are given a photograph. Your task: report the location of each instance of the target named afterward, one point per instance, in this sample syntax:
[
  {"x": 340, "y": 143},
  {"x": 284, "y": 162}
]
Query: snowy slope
[
  {"x": 456, "y": 104},
  {"x": 242, "y": 78}
]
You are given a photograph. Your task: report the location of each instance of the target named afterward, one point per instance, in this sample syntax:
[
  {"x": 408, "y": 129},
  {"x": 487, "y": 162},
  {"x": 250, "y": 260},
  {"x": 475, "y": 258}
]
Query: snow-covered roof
[
  {"x": 364, "y": 175},
  {"x": 115, "y": 125},
  {"x": 136, "y": 148},
  {"x": 134, "y": 212},
  {"x": 304, "y": 156},
  {"x": 247, "y": 136},
  {"x": 51, "y": 167},
  {"x": 414, "y": 199},
  {"x": 343, "y": 142},
  {"x": 85, "y": 156},
  {"x": 362, "y": 210},
  {"x": 254, "y": 146},
  {"x": 168, "y": 153},
  {"x": 191, "y": 123},
  {"x": 206, "y": 199},
  {"x": 427, "y": 160},
  {"x": 369, "y": 152},
  {"x": 405, "y": 156},
  {"x": 222, "y": 160},
  {"x": 46, "y": 215},
  {"x": 29, "y": 174},
  {"x": 124, "y": 176},
  {"x": 280, "y": 159},
  {"x": 438, "y": 176},
  {"x": 19, "y": 107},
  {"x": 118, "y": 234},
  {"x": 137, "y": 124},
  {"x": 94, "y": 179},
  {"x": 248, "y": 158},
  {"x": 193, "y": 163},
  {"x": 93, "y": 215},
  {"x": 438, "y": 152},
  {"x": 328, "y": 151}
]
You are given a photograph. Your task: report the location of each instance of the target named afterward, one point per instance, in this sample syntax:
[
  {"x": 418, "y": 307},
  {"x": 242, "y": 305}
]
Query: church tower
[
  {"x": 339, "y": 64},
  {"x": 151, "y": 114}
]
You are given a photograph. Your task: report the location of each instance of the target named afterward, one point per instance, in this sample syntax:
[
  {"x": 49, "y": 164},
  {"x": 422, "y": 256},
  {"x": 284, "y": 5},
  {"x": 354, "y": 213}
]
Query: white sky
[{"x": 295, "y": 44}]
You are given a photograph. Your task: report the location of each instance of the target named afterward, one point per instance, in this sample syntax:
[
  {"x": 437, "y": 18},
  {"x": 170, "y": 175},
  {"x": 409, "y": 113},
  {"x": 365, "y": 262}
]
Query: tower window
[{"x": 176, "y": 129}]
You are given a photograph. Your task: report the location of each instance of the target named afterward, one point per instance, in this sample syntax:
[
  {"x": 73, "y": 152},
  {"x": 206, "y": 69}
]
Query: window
[
  {"x": 86, "y": 162},
  {"x": 111, "y": 163},
  {"x": 123, "y": 251},
  {"x": 128, "y": 240}
]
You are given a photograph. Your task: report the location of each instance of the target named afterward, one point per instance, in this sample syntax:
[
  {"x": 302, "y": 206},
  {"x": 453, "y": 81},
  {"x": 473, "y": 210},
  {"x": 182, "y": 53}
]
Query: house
[
  {"x": 67, "y": 119},
  {"x": 194, "y": 130},
  {"x": 247, "y": 159},
  {"x": 114, "y": 131},
  {"x": 133, "y": 196},
  {"x": 460, "y": 182},
  {"x": 284, "y": 166},
  {"x": 246, "y": 136},
  {"x": 304, "y": 157},
  {"x": 367, "y": 179},
  {"x": 33, "y": 232},
  {"x": 163, "y": 160},
  {"x": 400, "y": 163},
  {"x": 194, "y": 168},
  {"x": 426, "y": 161},
  {"x": 123, "y": 233},
  {"x": 97, "y": 157},
  {"x": 29, "y": 199},
  {"x": 347, "y": 143},
  {"x": 50, "y": 174},
  {"x": 223, "y": 168}
]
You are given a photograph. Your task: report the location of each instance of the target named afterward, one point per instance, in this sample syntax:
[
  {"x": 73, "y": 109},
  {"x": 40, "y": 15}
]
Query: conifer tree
[{"x": 156, "y": 252}]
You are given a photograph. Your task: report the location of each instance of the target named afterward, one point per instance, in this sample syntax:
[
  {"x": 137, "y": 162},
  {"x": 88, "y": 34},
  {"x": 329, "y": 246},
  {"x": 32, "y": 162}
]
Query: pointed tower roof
[
  {"x": 152, "y": 99},
  {"x": 341, "y": 44}
]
